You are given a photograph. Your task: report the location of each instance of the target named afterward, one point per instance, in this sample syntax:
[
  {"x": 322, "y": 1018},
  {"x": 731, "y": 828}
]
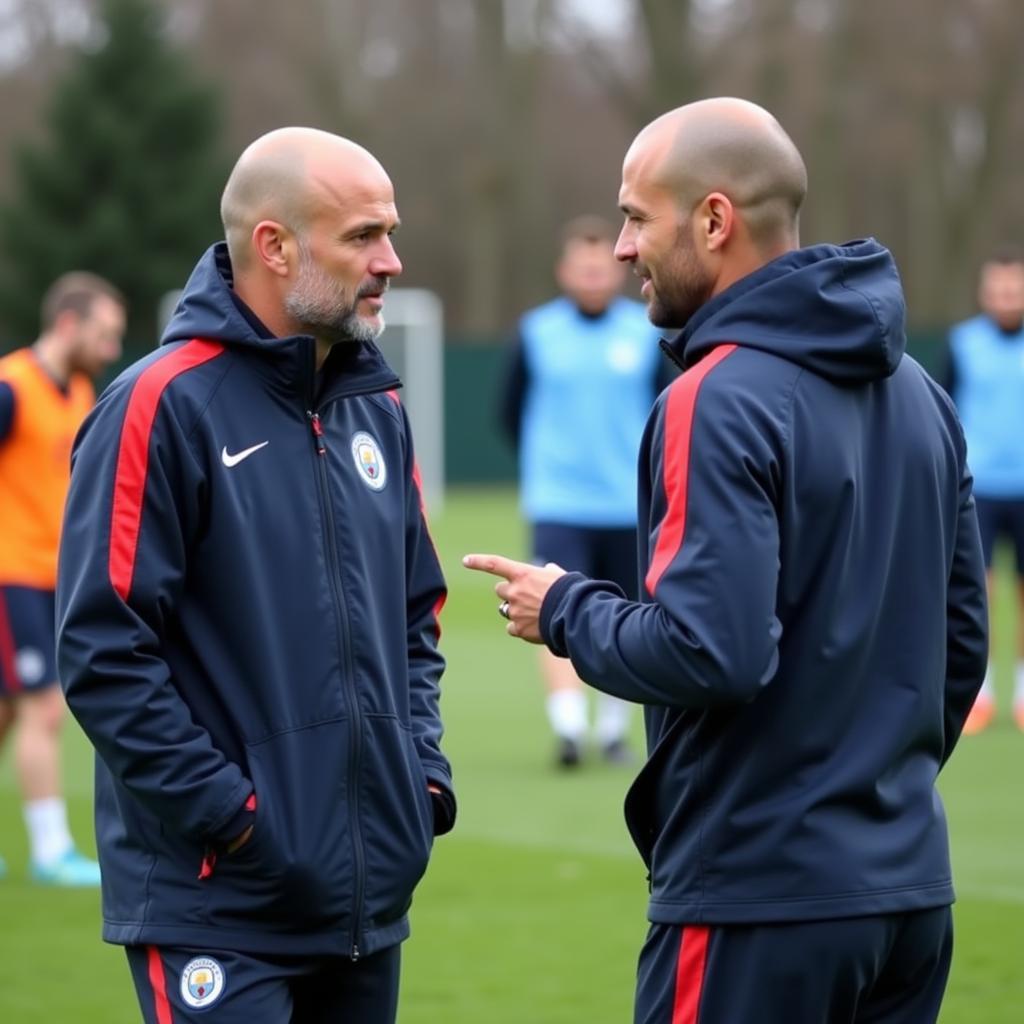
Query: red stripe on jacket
[
  {"x": 693, "y": 954},
  {"x": 133, "y": 455},
  {"x": 680, "y": 407},
  {"x": 158, "y": 979},
  {"x": 8, "y": 664}
]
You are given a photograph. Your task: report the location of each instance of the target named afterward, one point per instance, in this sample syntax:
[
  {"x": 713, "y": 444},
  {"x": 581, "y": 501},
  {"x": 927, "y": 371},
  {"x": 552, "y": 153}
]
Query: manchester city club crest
[
  {"x": 369, "y": 460},
  {"x": 202, "y": 982}
]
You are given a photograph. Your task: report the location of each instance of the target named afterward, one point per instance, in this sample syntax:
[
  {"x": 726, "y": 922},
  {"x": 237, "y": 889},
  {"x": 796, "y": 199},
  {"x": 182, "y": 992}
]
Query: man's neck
[
  {"x": 591, "y": 314},
  {"x": 323, "y": 349},
  {"x": 1009, "y": 330},
  {"x": 268, "y": 320},
  {"x": 747, "y": 261},
  {"x": 264, "y": 306},
  {"x": 50, "y": 352}
]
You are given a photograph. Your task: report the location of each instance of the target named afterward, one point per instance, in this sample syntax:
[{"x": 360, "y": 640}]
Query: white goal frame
[{"x": 413, "y": 344}]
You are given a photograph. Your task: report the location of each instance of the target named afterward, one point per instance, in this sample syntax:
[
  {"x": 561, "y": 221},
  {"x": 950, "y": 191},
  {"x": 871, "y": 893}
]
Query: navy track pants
[
  {"x": 201, "y": 986},
  {"x": 890, "y": 969}
]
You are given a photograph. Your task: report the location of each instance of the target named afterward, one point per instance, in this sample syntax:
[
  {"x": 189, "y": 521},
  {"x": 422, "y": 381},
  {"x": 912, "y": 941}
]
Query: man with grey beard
[{"x": 247, "y": 610}]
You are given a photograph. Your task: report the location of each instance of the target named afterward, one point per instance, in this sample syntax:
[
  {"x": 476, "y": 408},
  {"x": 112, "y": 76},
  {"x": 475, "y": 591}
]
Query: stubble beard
[
  {"x": 687, "y": 285},
  {"x": 325, "y": 310}
]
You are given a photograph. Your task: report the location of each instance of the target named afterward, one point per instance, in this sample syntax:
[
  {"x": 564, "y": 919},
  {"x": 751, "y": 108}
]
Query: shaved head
[
  {"x": 286, "y": 176},
  {"x": 309, "y": 218},
  {"x": 730, "y": 146},
  {"x": 710, "y": 192}
]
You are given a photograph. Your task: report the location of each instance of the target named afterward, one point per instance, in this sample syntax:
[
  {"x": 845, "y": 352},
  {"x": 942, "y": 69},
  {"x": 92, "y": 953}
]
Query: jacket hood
[
  {"x": 837, "y": 310},
  {"x": 208, "y": 310}
]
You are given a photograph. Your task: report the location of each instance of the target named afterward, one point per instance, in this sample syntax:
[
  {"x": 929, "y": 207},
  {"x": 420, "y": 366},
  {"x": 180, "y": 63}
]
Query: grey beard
[
  {"x": 359, "y": 330},
  {"x": 349, "y": 328},
  {"x": 330, "y": 319}
]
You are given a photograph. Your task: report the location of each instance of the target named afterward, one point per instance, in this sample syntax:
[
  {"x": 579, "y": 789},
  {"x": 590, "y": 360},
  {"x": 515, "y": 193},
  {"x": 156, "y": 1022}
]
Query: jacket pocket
[
  {"x": 137, "y": 860},
  {"x": 396, "y": 818},
  {"x": 639, "y": 810},
  {"x": 297, "y": 868},
  {"x": 668, "y": 774}
]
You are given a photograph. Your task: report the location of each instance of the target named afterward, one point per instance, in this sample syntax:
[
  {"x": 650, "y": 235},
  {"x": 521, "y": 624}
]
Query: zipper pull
[
  {"x": 318, "y": 431},
  {"x": 209, "y": 863},
  {"x": 355, "y": 952}
]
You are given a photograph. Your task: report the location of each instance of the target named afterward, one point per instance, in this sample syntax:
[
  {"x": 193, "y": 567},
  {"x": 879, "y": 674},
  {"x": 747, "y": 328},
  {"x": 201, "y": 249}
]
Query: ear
[
  {"x": 717, "y": 220},
  {"x": 274, "y": 246},
  {"x": 66, "y": 323}
]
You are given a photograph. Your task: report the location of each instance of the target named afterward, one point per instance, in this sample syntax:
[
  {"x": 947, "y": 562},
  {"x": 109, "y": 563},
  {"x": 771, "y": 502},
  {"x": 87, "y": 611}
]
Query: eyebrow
[{"x": 372, "y": 225}]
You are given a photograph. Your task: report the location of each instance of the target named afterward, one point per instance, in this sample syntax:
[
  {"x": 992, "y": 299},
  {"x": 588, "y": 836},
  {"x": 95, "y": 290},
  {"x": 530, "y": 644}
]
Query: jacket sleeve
[
  {"x": 134, "y": 500},
  {"x": 966, "y": 618},
  {"x": 425, "y": 596},
  {"x": 709, "y": 635}
]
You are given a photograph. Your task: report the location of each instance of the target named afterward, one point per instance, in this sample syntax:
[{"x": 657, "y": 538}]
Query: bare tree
[
  {"x": 499, "y": 119},
  {"x": 501, "y": 168},
  {"x": 991, "y": 123},
  {"x": 673, "y": 78}
]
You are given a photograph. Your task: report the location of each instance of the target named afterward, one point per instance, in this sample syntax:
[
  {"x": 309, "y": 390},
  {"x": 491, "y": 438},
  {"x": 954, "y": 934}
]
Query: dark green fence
[{"x": 476, "y": 452}]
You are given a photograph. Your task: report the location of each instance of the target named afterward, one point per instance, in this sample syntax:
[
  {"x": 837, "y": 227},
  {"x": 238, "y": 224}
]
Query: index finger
[{"x": 496, "y": 565}]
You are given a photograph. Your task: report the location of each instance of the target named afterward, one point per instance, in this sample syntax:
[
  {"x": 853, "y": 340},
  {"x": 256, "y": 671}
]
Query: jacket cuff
[
  {"x": 552, "y": 599},
  {"x": 237, "y": 824},
  {"x": 445, "y": 807}
]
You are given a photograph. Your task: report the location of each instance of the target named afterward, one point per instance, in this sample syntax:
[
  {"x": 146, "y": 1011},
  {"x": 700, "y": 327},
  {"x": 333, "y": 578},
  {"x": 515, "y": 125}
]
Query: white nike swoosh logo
[{"x": 233, "y": 460}]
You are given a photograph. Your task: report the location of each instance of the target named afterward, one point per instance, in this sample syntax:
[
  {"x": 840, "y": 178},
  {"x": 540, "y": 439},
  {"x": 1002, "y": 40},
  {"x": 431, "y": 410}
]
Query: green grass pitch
[{"x": 533, "y": 909}]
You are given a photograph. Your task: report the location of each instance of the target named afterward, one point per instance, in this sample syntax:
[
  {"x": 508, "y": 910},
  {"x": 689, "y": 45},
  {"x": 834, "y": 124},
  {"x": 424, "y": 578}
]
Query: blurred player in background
[
  {"x": 45, "y": 392},
  {"x": 574, "y": 360},
  {"x": 985, "y": 378}
]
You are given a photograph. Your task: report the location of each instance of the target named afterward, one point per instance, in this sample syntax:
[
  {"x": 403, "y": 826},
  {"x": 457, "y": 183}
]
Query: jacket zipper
[
  {"x": 345, "y": 634},
  {"x": 670, "y": 352},
  {"x": 208, "y": 864}
]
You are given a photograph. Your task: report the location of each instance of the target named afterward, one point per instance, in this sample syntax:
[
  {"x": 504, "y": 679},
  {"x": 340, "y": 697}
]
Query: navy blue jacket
[
  {"x": 814, "y": 626},
  {"x": 247, "y": 613}
]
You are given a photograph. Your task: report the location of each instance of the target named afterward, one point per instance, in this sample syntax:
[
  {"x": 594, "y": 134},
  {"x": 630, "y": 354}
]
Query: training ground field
[{"x": 532, "y": 911}]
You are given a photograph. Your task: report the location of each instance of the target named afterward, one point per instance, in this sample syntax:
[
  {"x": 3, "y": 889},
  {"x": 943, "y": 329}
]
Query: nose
[
  {"x": 625, "y": 246},
  {"x": 386, "y": 263}
]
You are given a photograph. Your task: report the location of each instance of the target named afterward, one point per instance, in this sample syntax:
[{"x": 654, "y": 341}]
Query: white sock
[
  {"x": 48, "y": 834},
  {"x": 612, "y": 719},
  {"x": 1018, "y": 683},
  {"x": 567, "y": 713}
]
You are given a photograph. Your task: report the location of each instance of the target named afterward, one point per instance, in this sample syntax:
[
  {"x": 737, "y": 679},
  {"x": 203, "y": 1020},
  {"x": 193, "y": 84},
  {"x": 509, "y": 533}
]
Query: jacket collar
[{"x": 208, "y": 308}]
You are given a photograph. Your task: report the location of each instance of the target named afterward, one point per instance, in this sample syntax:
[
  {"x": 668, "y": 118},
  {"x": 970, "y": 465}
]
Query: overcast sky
[{"x": 608, "y": 16}]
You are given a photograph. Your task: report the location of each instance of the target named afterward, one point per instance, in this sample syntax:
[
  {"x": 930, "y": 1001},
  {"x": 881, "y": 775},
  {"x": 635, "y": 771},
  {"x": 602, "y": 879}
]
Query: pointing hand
[{"x": 522, "y": 590}]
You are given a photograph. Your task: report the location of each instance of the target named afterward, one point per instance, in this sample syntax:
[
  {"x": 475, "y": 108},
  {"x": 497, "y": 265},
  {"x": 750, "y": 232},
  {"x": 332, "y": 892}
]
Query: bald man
[
  {"x": 247, "y": 611},
  {"x": 812, "y": 630}
]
